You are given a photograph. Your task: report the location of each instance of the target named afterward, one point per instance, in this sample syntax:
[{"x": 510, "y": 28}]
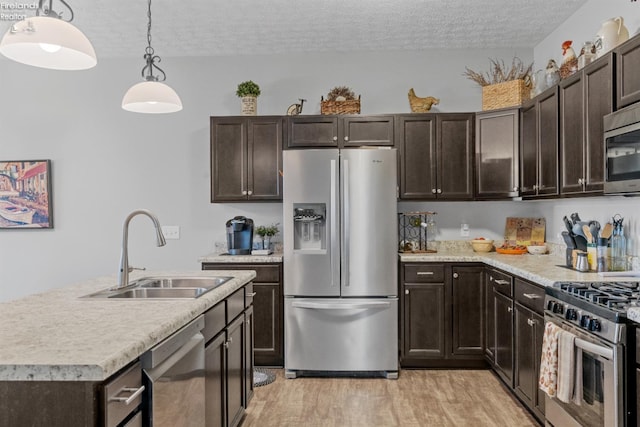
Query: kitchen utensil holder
[{"x": 416, "y": 232}]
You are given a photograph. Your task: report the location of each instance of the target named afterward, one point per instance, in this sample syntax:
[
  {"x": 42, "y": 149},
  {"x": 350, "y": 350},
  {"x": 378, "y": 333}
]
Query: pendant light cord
[
  {"x": 149, "y": 55},
  {"x": 48, "y": 11}
]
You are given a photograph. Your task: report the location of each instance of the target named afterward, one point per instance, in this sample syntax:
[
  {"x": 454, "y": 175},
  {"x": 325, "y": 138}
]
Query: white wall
[
  {"x": 107, "y": 162},
  {"x": 583, "y": 25}
]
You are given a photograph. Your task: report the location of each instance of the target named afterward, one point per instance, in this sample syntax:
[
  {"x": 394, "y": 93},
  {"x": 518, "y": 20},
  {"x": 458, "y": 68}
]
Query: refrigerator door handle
[
  {"x": 345, "y": 223},
  {"x": 335, "y": 273},
  {"x": 337, "y": 306}
]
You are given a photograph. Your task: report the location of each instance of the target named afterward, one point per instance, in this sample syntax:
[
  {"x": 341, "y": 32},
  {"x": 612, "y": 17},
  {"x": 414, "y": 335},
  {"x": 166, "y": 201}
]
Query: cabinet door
[
  {"x": 228, "y": 159},
  {"x": 235, "y": 373},
  {"x": 416, "y": 137},
  {"x": 264, "y": 157},
  {"x": 315, "y": 131},
  {"x": 497, "y": 148},
  {"x": 548, "y": 143},
  {"x": 467, "y": 303},
  {"x": 598, "y": 83},
  {"x": 525, "y": 379},
  {"x": 454, "y": 136},
  {"x": 248, "y": 356},
  {"x": 215, "y": 381},
  {"x": 572, "y": 153},
  {"x": 489, "y": 319},
  {"x": 366, "y": 130},
  {"x": 627, "y": 77},
  {"x": 267, "y": 325},
  {"x": 528, "y": 149},
  {"x": 504, "y": 337},
  {"x": 424, "y": 321}
]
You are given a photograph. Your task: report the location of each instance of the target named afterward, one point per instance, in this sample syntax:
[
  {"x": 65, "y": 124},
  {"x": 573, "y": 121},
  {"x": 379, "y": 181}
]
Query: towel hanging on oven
[
  {"x": 566, "y": 366},
  {"x": 548, "y": 381}
]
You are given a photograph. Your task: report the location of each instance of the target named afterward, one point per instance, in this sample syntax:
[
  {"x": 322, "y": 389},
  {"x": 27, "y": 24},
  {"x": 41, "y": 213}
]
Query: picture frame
[{"x": 25, "y": 194}]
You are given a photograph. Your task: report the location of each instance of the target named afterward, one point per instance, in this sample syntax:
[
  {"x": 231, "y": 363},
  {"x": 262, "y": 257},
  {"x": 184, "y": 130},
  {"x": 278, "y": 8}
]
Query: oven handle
[{"x": 594, "y": 348}]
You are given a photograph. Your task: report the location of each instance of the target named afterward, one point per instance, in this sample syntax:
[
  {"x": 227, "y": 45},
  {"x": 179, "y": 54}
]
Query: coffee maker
[{"x": 239, "y": 235}]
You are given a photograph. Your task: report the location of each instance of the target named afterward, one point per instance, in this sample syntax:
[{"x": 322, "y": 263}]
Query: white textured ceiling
[{"x": 117, "y": 28}]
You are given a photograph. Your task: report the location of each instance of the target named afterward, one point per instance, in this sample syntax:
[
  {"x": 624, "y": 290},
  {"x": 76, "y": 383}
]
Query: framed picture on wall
[{"x": 25, "y": 194}]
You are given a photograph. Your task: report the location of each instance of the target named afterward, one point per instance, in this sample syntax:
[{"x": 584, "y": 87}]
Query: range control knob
[
  {"x": 584, "y": 321},
  {"x": 550, "y": 305},
  {"x": 558, "y": 308},
  {"x": 594, "y": 325},
  {"x": 571, "y": 314}
]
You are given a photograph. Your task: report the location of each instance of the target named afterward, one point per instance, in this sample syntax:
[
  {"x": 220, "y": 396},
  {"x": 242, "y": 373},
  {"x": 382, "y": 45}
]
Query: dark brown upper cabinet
[
  {"x": 340, "y": 131},
  {"x": 246, "y": 158},
  {"x": 627, "y": 75},
  {"x": 539, "y": 145},
  {"x": 497, "y": 154},
  {"x": 585, "y": 98},
  {"x": 436, "y": 156}
]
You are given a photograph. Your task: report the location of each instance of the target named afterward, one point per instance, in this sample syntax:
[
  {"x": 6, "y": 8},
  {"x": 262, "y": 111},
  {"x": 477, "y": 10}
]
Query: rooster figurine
[
  {"x": 421, "y": 105},
  {"x": 569, "y": 63}
]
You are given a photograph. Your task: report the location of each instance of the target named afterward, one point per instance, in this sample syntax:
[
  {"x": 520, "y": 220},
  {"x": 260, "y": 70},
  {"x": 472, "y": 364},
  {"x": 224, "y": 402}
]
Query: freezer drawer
[{"x": 341, "y": 334}]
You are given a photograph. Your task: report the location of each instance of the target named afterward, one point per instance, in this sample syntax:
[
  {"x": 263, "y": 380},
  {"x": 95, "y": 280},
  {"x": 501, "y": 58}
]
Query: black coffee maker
[{"x": 239, "y": 235}]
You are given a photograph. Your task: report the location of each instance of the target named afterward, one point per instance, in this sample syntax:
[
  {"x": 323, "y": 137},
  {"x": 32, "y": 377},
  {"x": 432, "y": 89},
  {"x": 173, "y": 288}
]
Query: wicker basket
[
  {"x": 502, "y": 95},
  {"x": 351, "y": 106}
]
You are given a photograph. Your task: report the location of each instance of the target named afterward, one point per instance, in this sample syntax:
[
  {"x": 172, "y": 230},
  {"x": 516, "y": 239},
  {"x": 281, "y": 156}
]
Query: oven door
[
  {"x": 622, "y": 174},
  {"x": 600, "y": 402}
]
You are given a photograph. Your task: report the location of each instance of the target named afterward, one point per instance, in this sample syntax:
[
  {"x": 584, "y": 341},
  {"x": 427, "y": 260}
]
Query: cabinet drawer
[
  {"x": 428, "y": 273},
  {"x": 501, "y": 282},
  {"x": 529, "y": 295},
  {"x": 118, "y": 390},
  {"x": 235, "y": 304},
  {"x": 264, "y": 273},
  {"x": 214, "y": 321}
]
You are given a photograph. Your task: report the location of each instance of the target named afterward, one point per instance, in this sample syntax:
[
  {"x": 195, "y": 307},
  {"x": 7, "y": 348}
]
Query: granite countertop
[
  {"x": 241, "y": 259},
  {"x": 58, "y": 336}
]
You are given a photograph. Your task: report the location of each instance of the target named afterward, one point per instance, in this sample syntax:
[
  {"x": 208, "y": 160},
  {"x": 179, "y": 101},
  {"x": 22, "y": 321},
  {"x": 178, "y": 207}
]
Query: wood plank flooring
[{"x": 418, "y": 398}]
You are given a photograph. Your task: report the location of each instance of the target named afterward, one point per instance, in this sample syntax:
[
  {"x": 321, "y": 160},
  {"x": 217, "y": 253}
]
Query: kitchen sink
[{"x": 163, "y": 288}]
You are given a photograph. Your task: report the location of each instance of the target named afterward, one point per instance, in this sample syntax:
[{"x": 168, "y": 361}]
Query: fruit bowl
[
  {"x": 482, "y": 245},
  {"x": 537, "y": 249}
]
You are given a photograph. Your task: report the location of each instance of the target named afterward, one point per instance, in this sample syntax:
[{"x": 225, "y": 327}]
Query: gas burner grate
[{"x": 615, "y": 296}]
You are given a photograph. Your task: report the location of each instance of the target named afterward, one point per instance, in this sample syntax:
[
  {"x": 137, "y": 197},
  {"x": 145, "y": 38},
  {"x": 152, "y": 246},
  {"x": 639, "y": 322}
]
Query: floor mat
[{"x": 262, "y": 377}]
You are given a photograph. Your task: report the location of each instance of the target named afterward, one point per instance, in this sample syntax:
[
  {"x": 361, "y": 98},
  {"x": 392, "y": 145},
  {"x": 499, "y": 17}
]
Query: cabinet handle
[
  {"x": 226, "y": 344},
  {"x": 433, "y": 190},
  {"x": 280, "y": 172},
  {"x": 491, "y": 278},
  {"x": 532, "y": 296},
  {"x": 335, "y": 138},
  {"x": 439, "y": 191},
  {"x": 249, "y": 192},
  {"x": 579, "y": 181},
  {"x": 127, "y": 400},
  {"x": 406, "y": 291},
  {"x": 509, "y": 309},
  {"x": 346, "y": 138},
  {"x": 515, "y": 188},
  {"x": 252, "y": 294},
  {"x": 502, "y": 282},
  {"x": 535, "y": 187},
  {"x": 531, "y": 322},
  {"x": 244, "y": 192},
  {"x": 230, "y": 340},
  {"x": 425, "y": 273},
  {"x": 248, "y": 322},
  {"x": 456, "y": 275}
]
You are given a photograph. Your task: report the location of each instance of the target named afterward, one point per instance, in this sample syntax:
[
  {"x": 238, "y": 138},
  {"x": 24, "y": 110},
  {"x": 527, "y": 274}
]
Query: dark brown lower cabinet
[
  {"x": 234, "y": 371},
  {"x": 489, "y": 319},
  {"x": 268, "y": 306},
  {"x": 529, "y": 329},
  {"x": 441, "y": 315},
  {"x": 503, "y": 353}
]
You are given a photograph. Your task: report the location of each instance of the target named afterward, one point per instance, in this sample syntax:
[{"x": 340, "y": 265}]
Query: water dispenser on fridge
[{"x": 309, "y": 226}]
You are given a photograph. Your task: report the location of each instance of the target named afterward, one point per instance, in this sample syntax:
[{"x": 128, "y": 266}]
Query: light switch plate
[
  {"x": 464, "y": 230},
  {"x": 171, "y": 232}
]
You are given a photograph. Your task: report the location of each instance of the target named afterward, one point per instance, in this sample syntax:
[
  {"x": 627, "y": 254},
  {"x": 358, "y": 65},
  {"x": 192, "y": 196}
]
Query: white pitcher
[{"x": 611, "y": 34}]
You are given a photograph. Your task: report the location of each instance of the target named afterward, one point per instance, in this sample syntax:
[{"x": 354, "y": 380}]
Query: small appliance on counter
[{"x": 239, "y": 235}]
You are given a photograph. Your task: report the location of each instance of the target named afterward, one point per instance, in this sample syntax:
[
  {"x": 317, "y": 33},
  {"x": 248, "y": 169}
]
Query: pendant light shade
[
  {"x": 48, "y": 42},
  {"x": 151, "y": 97}
]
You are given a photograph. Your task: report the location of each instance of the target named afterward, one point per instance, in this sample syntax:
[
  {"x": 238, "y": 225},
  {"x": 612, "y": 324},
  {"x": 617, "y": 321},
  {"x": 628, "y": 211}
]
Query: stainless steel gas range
[{"x": 596, "y": 314}]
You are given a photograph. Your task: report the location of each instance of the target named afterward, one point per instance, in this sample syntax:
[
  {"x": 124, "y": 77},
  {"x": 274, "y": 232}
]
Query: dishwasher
[{"x": 173, "y": 375}]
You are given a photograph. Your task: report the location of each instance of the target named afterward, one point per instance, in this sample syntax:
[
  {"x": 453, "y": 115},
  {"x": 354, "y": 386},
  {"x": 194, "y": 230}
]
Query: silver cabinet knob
[
  {"x": 456, "y": 275},
  {"x": 346, "y": 138},
  {"x": 433, "y": 190},
  {"x": 579, "y": 181},
  {"x": 535, "y": 187},
  {"x": 249, "y": 192},
  {"x": 244, "y": 192},
  {"x": 406, "y": 291},
  {"x": 439, "y": 191},
  {"x": 515, "y": 188},
  {"x": 335, "y": 138},
  {"x": 509, "y": 309}
]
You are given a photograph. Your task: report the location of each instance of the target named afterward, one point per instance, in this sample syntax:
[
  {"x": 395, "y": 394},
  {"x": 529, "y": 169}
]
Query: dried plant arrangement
[
  {"x": 499, "y": 73},
  {"x": 341, "y": 93}
]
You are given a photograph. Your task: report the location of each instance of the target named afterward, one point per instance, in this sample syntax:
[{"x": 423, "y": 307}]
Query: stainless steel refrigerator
[{"x": 340, "y": 262}]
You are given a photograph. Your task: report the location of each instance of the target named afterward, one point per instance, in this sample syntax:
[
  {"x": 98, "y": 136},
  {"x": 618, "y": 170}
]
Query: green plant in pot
[
  {"x": 266, "y": 233},
  {"x": 248, "y": 93}
]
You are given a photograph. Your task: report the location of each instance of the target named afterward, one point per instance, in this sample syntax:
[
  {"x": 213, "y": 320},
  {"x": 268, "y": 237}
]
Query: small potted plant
[
  {"x": 266, "y": 233},
  {"x": 248, "y": 93}
]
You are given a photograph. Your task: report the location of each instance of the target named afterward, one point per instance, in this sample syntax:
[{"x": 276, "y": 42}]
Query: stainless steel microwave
[{"x": 622, "y": 151}]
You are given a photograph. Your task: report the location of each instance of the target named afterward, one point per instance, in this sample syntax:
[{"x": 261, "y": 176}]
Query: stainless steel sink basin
[{"x": 164, "y": 288}]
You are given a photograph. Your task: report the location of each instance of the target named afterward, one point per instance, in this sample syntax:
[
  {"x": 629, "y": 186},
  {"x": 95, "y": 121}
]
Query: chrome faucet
[{"x": 123, "y": 272}]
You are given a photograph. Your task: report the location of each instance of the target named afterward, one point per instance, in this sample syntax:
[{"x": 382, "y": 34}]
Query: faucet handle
[{"x": 136, "y": 268}]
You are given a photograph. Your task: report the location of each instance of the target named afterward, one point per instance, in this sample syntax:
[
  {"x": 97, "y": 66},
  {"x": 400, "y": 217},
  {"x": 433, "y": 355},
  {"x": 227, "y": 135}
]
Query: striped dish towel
[
  {"x": 566, "y": 366},
  {"x": 548, "y": 381}
]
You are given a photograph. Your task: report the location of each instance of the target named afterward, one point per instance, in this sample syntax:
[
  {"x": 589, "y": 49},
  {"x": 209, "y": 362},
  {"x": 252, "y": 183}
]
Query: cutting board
[{"x": 524, "y": 231}]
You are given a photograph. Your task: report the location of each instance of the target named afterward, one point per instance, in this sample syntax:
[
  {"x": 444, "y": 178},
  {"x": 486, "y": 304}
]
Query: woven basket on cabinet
[
  {"x": 502, "y": 95},
  {"x": 351, "y": 106}
]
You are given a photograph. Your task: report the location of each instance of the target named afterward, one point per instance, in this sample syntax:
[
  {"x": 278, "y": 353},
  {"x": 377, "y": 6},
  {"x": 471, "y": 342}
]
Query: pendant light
[
  {"x": 151, "y": 96},
  {"x": 48, "y": 41}
]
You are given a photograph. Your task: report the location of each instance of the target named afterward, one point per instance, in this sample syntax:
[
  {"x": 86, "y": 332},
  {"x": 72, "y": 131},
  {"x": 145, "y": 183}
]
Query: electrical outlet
[
  {"x": 464, "y": 230},
  {"x": 171, "y": 232}
]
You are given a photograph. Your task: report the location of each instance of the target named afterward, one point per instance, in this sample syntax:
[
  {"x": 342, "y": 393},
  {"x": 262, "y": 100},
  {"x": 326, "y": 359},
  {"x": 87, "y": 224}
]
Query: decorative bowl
[
  {"x": 537, "y": 249},
  {"x": 482, "y": 245}
]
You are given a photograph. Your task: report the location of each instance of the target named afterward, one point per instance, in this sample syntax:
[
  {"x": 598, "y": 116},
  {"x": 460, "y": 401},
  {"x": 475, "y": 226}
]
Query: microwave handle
[
  {"x": 594, "y": 348},
  {"x": 621, "y": 130}
]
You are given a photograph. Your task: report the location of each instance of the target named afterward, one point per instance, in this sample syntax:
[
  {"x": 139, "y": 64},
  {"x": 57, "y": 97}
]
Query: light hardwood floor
[{"x": 417, "y": 398}]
